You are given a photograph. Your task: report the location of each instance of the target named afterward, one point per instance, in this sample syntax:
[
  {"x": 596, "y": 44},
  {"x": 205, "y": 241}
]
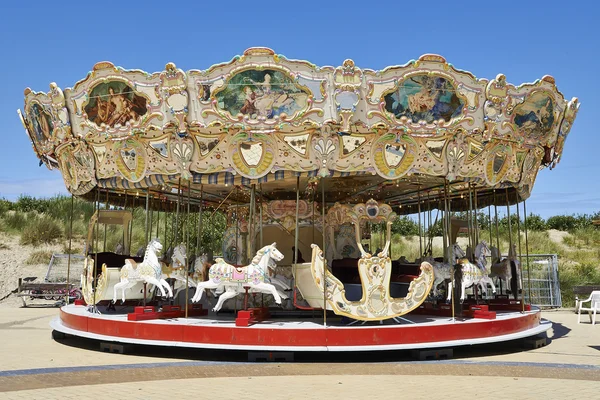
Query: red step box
[
  {"x": 480, "y": 311},
  {"x": 145, "y": 313},
  {"x": 252, "y": 316}
]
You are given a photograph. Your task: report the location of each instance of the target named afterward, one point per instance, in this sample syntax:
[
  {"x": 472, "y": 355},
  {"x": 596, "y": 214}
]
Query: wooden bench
[
  {"x": 42, "y": 290},
  {"x": 584, "y": 292}
]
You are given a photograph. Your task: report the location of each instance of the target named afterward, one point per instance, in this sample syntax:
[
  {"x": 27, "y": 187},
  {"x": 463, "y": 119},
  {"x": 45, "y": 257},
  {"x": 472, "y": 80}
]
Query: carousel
[{"x": 311, "y": 167}]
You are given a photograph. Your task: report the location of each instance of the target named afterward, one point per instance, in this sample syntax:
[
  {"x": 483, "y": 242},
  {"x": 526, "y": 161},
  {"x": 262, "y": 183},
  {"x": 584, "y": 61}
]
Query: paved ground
[{"x": 34, "y": 366}]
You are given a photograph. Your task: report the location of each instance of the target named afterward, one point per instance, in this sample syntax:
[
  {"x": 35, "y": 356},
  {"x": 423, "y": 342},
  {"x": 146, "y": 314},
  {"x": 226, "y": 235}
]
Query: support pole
[
  {"x": 471, "y": 254},
  {"x": 324, "y": 260},
  {"x": 527, "y": 251},
  {"x": 146, "y": 225},
  {"x": 176, "y": 231},
  {"x": 125, "y": 250},
  {"x": 251, "y": 217},
  {"x": 151, "y": 219},
  {"x": 475, "y": 218},
  {"x": 520, "y": 277},
  {"x": 200, "y": 221},
  {"x": 95, "y": 275},
  {"x": 446, "y": 256},
  {"x": 158, "y": 220},
  {"x": 297, "y": 231},
  {"x": 496, "y": 222},
  {"x": 187, "y": 249},
  {"x": 106, "y": 207},
  {"x": 490, "y": 225},
  {"x": 420, "y": 227},
  {"x": 69, "y": 255},
  {"x": 510, "y": 239},
  {"x": 260, "y": 216},
  {"x": 130, "y": 241},
  {"x": 237, "y": 231}
]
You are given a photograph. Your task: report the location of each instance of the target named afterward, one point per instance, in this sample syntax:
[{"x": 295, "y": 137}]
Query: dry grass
[{"x": 39, "y": 257}]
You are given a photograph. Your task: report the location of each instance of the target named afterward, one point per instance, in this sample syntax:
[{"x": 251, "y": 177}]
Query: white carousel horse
[
  {"x": 443, "y": 271},
  {"x": 175, "y": 269},
  {"x": 503, "y": 269},
  {"x": 225, "y": 276},
  {"x": 474, "y": 274},
  {"x": 148, "y": 271}
]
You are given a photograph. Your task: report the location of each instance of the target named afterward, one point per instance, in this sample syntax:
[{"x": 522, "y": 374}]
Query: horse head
[
  {"x": 154, "y": 245},
  {"x": 179, "y": 256},
  {"x": 271, "y": 253},
  {"x": 457, "y": 251},
  {"x": 482, "y": 249}
]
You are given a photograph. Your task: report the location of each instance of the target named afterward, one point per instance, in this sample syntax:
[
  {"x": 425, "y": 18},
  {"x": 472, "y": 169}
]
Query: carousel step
[
  {"x": 254, "y": 356},
  {"x": 114, "y": 347},
  {"x": 535, "y": 342},
  {"x": 432, "y": 354}
]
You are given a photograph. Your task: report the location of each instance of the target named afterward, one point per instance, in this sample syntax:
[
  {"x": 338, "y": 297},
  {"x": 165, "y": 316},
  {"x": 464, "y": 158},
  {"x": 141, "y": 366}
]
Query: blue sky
[{"x": 43, "y": 42}]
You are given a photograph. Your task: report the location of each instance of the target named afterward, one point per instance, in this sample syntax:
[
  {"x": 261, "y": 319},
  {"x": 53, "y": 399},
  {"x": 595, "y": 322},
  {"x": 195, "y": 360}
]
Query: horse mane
[{"x": 259, "y": 254}]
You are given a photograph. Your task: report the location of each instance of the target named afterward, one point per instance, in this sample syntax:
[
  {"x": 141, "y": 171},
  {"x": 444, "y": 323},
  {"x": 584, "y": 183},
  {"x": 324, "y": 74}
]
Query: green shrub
[
  {"x": 405, "y": 226},
  {"x": 39, "y": 257},
  {"x": 14, "y": 221},
  {"x": 5, "y": 206},
  {"x": 41, "y": 230},
  {"x": 535, "y": 223}
]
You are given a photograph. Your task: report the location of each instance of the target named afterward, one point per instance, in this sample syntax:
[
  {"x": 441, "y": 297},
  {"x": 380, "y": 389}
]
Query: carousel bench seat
[{"x": 113, "y": 260}]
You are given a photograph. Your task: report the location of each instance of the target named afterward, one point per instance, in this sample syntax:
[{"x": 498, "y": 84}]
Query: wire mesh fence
[
  {"x": 58, "y": 266},
  {"x": 541, "y": 284}
]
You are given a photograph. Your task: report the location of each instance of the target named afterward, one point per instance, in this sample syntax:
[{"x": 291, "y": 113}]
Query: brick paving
[{"x": 34, "y": 366}]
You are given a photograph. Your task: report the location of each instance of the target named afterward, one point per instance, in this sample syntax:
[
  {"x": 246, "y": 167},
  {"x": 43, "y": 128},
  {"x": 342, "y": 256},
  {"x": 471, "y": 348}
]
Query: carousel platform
[{"x": 300, "y": 335}]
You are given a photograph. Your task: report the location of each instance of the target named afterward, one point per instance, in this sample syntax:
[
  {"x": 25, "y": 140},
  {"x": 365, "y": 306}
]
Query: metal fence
[
  {"x": 57, "y": 269},
  {"x": 540, "y": 280}
]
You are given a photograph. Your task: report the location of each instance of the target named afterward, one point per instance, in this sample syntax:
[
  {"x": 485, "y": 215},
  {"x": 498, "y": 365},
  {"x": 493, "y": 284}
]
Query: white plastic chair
[{"x": 593, "y": 309}]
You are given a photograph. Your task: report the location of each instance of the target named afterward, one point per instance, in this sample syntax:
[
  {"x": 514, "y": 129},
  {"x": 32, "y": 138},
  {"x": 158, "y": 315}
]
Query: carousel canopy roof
[{"x": 397, "y": 135}]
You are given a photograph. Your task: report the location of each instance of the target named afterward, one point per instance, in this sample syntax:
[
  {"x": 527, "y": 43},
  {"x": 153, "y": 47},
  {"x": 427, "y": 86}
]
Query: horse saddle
[
  {"x": 238, "y": 274},
  {"x": 132, "y": 263}
]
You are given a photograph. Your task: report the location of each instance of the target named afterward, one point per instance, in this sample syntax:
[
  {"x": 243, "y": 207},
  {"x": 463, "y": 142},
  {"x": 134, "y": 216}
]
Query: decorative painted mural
[
  {"x": 424, "y": 98},
  {"x": 535, "y": 116},
  {"x": 267, "y": 93},
  {"x": 41, "y": 123},
  {"x": 114, "y": 103}
]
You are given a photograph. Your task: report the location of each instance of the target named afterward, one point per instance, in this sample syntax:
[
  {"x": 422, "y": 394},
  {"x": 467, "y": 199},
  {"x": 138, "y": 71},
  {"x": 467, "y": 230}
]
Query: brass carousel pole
[
  {"x": 125, "y": 227},
  {"x": 449, "y": 259},
  {"x": 260, "y": 216},
  {"x": 490, "y": 225},
  {"x": 297, "y": 230},
  {"x": 526, "y": 251},
  {"x": 420, "y": 227},
  {"x": 510, "y": 240},
  {"x": 324, "y": 260},
  {"x": 96, "y": 247},
  {"x": 471, "y": 254},
  {"x": 187, "y": 249},
  {"x": 476, "y": 219},
  {"x": 251, "y": 217},
  {"x": 147, "y": 207},
  {"x": 158, "y": 219},
  {"x": 151, "y": 217},
  {"x": 200, "y": 221},
  {"x": 69, "y": 255},
  {"x": 260, "y": 227},
  {"x": 176, "y": 230},
  {"x": 106, "y": 207},
  {"x": 496, "y": 222},
  {"x": 520, "y": 277},
  {"x": 130, "y": 241}
]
